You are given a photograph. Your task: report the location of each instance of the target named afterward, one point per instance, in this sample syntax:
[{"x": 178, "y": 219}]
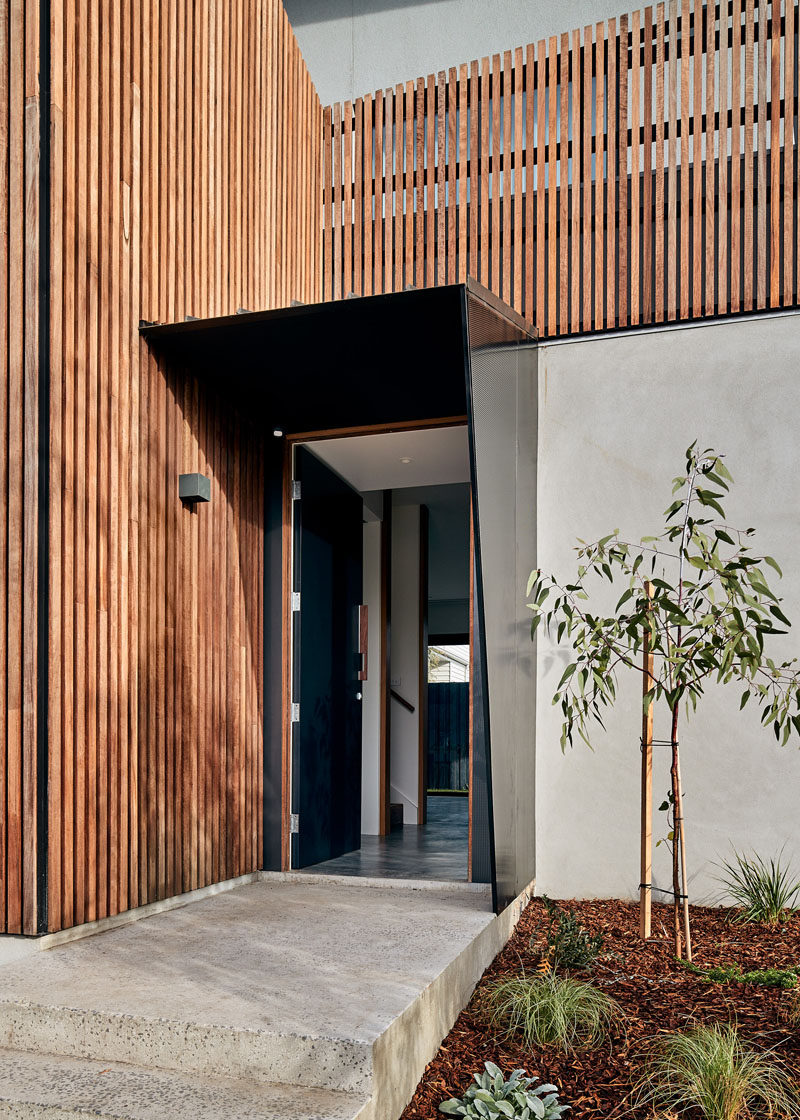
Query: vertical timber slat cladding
[
  {"x": 585, "y": 179},
  {"x": 552, "y": 190},
  {"x": 19, "y": 476},
  {"x": 672, "y": 168},
  {"x": 622, "y": 165},
  {"x": 646, "y": 274},
  {"x": 638, "y": 184},
  {"x": 185, "y": 161}
]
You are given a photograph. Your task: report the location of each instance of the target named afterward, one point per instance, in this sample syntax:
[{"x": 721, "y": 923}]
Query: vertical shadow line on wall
[
  {"x": 43, "y": 487},
  {"x": 479, "y": 630}
]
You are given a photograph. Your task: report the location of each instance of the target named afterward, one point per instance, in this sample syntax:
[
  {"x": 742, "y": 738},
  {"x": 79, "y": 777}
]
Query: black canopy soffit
[{"x": 381, "y": 359}]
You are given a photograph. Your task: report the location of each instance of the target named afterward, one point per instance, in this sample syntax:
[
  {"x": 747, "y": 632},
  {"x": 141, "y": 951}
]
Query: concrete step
[
  {"x": 308, "y": 1060},
  {"x": 292, "y": 983},
  {"x": 46, "y": 1087}
]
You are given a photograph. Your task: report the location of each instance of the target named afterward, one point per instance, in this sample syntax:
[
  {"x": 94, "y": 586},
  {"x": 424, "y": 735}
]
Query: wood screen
[
  {"x": 643, "y": 170},
  {"x": 184, "y": 170},
  {"x": 19, "y": 428}
]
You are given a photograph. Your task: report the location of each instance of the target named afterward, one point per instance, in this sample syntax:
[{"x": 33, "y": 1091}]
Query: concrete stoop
[
  {"x": 51, "y": 1087},
  {"x": 299, "y": 1000}
]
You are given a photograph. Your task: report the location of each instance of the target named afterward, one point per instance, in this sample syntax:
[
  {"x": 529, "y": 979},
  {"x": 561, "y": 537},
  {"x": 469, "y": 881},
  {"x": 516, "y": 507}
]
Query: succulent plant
[{"x": 494, "y": 1098}]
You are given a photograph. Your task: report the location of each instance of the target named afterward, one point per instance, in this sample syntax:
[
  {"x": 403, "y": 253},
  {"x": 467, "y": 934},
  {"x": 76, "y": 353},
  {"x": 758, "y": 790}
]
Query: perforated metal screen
[{"x": 502, "y": 404}]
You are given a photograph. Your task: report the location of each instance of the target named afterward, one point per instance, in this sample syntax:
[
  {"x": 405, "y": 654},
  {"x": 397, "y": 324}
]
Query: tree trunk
[
  {"x": 687, "y": 933},
  {"x": 676, "y": 828}
]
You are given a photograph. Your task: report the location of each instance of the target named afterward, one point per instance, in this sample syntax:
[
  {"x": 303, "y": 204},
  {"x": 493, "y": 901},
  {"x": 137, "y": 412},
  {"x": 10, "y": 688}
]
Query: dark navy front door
[{"x": 326, "y": 743}]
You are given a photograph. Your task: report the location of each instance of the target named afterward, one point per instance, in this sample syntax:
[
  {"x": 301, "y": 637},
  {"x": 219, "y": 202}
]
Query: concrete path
[{"x": 335, "y": 994}]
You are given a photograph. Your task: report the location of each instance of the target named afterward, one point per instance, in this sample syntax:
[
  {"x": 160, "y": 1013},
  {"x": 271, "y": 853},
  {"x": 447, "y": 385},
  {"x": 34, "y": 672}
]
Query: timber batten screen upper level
[{"x": 643, "y": 170}]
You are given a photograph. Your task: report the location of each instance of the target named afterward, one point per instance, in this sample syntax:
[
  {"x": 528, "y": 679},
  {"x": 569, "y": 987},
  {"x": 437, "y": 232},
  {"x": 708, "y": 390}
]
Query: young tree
[{"x": 701, "y": 599}]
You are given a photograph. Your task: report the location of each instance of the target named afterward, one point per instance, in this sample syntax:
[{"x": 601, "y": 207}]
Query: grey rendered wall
[
  {"x": 353, "y": 47},
  {"x": 615, "y": 416},
  {"x": 502, "y": 409}
]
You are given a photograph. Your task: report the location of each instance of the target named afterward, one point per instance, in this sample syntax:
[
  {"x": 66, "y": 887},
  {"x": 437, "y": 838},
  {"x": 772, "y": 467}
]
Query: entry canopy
[
  {"x": 418, "y": 356},
  {"x": 353, "y": 362}
]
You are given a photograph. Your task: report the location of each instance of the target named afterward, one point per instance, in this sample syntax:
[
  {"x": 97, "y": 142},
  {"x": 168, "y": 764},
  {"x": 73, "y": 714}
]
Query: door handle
[{"x": 363, "y": 641}]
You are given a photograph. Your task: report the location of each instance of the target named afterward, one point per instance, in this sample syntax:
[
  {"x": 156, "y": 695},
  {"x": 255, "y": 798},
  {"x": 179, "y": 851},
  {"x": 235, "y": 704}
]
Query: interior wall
[
  {"x": 371, "y": 690},
  {"x": 184, "y": 182},
  {"x": 405, "y": 660},
  {"x": 616, "y": 416}
]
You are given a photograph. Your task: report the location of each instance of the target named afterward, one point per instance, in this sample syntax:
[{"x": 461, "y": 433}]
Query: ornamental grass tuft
[
  {"x": 709, "y": 1072},
  {"x": 551, "y": 1011},
  {"x": 765, "y": 892}
]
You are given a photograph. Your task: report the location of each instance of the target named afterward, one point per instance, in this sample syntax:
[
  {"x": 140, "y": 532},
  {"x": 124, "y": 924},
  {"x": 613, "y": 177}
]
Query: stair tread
[
  {"x": 48, "y": 1086},
  {"x": 177, "y": 1044}
]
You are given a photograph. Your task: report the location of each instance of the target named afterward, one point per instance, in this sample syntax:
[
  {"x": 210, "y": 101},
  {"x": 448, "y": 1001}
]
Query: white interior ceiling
[{"x": 436, "y": 456}]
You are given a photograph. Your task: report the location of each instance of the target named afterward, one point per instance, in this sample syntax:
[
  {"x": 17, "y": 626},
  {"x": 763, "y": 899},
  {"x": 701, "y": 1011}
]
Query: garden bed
[{"x": 656, "y": 993}]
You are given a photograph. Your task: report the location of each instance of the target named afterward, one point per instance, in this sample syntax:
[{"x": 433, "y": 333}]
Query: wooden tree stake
[{"x": 646, "y": 866}]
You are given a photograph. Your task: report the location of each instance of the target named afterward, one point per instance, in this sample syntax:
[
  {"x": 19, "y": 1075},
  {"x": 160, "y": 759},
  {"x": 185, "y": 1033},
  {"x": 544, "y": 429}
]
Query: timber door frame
[{"x": 292, "y": 439}]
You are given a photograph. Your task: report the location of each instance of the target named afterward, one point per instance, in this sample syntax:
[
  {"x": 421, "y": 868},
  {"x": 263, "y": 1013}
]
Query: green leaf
[
  {"x": 717, "y": 479},
  {"x": 707, "y": 498},
  {"x": 669, "y": 513},
  {"x": 778, "y": 613},
  {"x": 774, "y": 565},
  {"x": 624, "y": 597},
  {"x": 570, "y": 669},
  {"x": 675, "y": 612}
]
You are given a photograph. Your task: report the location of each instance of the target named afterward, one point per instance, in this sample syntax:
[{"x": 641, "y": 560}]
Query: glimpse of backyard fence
[
  {"x": 643, "y": 170},
  {"x": 448, "y": 736}
]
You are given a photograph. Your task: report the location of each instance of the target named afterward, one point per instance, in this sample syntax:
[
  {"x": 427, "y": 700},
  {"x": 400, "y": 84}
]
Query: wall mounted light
[
  {"x": 405, "y": 459},
  {"x": 277, "y": 431},
  {"x": 194, "y": 488}
]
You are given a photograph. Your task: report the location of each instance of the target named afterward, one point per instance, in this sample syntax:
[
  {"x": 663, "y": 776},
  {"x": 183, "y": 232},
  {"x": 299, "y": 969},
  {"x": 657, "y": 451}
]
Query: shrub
[
  {"x": 710, "y": 1070},
  {"x": 493, "y": 1097},
  {"x": 764, "y": 891},
  {"x": 732, "y": 974},
  {"x": 569, "y": 944},
  {"x": 551, "y": 1011}
]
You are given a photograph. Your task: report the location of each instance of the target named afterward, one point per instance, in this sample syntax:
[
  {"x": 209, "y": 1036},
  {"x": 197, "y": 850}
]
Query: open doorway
[
  {"x": 381, "y": 577},
  {"x": 426, "y": 358}
]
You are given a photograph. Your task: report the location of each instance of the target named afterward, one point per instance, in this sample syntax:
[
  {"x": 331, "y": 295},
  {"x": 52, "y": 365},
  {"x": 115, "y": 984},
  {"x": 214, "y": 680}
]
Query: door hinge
[
  {"x": 295, "y": 713},
  {"x": 297, "y": 490},
  {"x": 294, "y": 824},
  {"x": 295, "y": 600}
]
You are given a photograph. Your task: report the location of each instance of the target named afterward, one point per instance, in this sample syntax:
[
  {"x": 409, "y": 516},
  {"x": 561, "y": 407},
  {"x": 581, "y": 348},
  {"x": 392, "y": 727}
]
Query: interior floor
[{"x": 436, "y": 850}]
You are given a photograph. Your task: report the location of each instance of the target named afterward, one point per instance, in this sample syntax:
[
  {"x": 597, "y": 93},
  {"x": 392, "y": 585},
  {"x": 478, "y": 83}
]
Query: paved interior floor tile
[{"x": 436, "y": 850}]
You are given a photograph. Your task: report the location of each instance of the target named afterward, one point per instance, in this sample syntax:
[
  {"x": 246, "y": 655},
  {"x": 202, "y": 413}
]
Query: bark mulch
[{"x": 656, "y": 994}]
